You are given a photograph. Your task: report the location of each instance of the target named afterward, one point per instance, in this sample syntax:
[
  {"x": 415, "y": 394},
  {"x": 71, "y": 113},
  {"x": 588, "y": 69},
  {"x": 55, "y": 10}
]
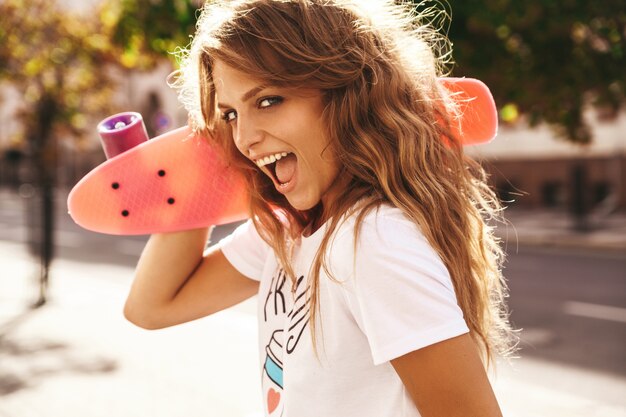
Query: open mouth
[{"x": 280, "y": 166}]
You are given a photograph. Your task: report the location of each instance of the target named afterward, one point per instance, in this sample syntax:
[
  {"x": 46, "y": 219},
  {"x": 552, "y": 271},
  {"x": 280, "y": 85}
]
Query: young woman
[{"x": 378, "y": 280}]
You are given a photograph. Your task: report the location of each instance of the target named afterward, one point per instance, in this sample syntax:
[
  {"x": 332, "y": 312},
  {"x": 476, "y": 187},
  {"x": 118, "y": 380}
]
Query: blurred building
[
  {"x": 143, "y": 92},
  {"x": 531, "y": 168}
]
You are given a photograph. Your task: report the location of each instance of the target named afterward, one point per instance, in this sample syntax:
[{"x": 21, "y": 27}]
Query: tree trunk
[{"x": 45, "y": 160}]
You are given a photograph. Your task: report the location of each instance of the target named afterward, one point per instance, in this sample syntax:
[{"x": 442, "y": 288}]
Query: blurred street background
[{"x": 556, "y": 69}]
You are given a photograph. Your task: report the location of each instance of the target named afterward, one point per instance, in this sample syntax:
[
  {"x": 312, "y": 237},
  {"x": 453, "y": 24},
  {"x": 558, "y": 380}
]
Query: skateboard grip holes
[
  {"x": 161, "y": 173},
  {"x": 125, "y": 213},
  {"x": 115, "y": 185},
  {"x": 170, "y": 200}
]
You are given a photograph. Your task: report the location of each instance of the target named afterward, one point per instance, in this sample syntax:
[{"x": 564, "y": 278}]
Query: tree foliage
[
  {"x": 150, "y": 29},
  {"x": 57, "y": 60},
  {"x": 548, "y": 60},
  {"x": 545, "y": 60}
]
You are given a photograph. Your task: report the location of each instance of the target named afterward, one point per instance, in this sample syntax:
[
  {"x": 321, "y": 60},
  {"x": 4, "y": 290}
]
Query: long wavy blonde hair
[{"x": 376, "y": 64}]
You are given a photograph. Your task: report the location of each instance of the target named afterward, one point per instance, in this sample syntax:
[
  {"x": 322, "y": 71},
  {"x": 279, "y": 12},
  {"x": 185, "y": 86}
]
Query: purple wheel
[{"x": 121, "y": 132}]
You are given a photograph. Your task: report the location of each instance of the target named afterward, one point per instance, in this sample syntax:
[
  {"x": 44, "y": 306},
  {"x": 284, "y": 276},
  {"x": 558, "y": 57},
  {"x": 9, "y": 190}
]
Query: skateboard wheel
[{"x": 121, "y": 132}]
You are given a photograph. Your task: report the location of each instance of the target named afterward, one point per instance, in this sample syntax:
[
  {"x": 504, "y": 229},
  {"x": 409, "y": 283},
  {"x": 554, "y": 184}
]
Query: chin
[{"x": 303, "y": 205}]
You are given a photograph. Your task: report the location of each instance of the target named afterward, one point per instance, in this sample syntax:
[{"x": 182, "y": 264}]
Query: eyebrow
[{"x": 247, "y": 96}]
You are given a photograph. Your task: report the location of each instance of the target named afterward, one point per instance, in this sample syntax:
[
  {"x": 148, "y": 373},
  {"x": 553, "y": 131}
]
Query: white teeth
[{"x": 270, "y": 159}]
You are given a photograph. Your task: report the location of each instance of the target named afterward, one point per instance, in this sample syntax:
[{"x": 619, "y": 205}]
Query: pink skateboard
[
  {"x": 179, "y": 181},
  {"x": 478, "y": 122},
  {"x": 176, "y": 181}
]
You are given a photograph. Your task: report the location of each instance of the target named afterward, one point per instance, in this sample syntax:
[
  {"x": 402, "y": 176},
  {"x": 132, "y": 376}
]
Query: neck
[{"x": 327, "y": 207}]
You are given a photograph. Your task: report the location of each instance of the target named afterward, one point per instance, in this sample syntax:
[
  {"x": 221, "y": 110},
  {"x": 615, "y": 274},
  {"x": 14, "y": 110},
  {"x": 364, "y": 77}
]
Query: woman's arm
[
  {"x": 175, "y": 282},
  {"x": 448, "y": 379}
]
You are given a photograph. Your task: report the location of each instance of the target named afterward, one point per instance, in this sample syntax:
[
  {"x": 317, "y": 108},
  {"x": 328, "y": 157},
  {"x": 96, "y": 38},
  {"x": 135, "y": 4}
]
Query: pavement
[
  {"x": 558, "y": 229},
  {"x": 77, "y": 356}
]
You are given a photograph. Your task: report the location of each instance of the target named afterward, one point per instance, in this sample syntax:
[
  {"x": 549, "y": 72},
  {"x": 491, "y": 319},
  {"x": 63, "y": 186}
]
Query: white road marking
[
  {"x": 536, "y": 337},
  {"x": 596, "y": 311}
]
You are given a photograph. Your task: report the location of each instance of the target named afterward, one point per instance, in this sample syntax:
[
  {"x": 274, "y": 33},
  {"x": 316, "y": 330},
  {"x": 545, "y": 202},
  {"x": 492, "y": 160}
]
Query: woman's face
[{"x": 281, "y": 131}]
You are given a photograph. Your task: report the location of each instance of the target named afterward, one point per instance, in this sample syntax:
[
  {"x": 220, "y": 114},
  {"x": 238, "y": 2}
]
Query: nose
[{"x": 246, "y": 134}]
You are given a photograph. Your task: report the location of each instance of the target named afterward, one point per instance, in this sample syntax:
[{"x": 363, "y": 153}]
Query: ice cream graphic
[{"x": 273, "y": 375}]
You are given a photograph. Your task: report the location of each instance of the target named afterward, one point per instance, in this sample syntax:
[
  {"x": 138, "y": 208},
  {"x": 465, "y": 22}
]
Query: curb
[{"x": 566, "y": 242}]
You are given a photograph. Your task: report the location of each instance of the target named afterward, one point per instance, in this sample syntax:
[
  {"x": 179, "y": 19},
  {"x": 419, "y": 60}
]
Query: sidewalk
[
  {"x": 78, "y": 357},
  {"x": 555, "y": 229}
]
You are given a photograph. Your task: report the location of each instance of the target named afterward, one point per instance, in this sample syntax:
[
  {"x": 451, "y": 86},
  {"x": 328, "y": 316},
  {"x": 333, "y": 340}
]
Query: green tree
[
  {"x": 57, "y": 60},
  {"x": 547, "y": 60},
  {"x": 148, "y": 30},
  {"x": 544, "y": 59}
]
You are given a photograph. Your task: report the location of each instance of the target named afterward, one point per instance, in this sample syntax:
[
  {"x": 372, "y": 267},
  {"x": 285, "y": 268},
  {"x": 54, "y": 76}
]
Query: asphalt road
[{"x": 571, "y": 306}]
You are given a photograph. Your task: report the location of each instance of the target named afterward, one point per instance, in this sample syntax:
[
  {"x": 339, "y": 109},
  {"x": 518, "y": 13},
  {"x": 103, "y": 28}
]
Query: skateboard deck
[
  {"x": 180, "y": 181},
  {"x": 176, "y": 181},
  {"x": 478, "y": 117}
]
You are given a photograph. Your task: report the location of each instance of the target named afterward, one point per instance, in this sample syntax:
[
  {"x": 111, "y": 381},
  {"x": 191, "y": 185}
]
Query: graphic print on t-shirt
[
  {"x": 285, "y": 335},
  {"x": 298, "y": 316},
  {"x": 273, "y": 375},
  {"x": 275, "y": 300}
]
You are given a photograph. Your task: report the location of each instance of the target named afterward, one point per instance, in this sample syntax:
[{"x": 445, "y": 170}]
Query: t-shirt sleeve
[
  {"x": 398, "y": 289},
  {"x": 246, "y": 250}
]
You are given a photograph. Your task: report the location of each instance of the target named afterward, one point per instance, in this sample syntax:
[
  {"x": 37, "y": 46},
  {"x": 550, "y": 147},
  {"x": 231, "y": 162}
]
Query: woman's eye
[
  {"x": 269, "y": 101},
  {"x": 229, "y": 116}
]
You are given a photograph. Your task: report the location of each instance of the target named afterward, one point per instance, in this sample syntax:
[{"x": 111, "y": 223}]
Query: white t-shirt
[{"x": 394, "y": 296}]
